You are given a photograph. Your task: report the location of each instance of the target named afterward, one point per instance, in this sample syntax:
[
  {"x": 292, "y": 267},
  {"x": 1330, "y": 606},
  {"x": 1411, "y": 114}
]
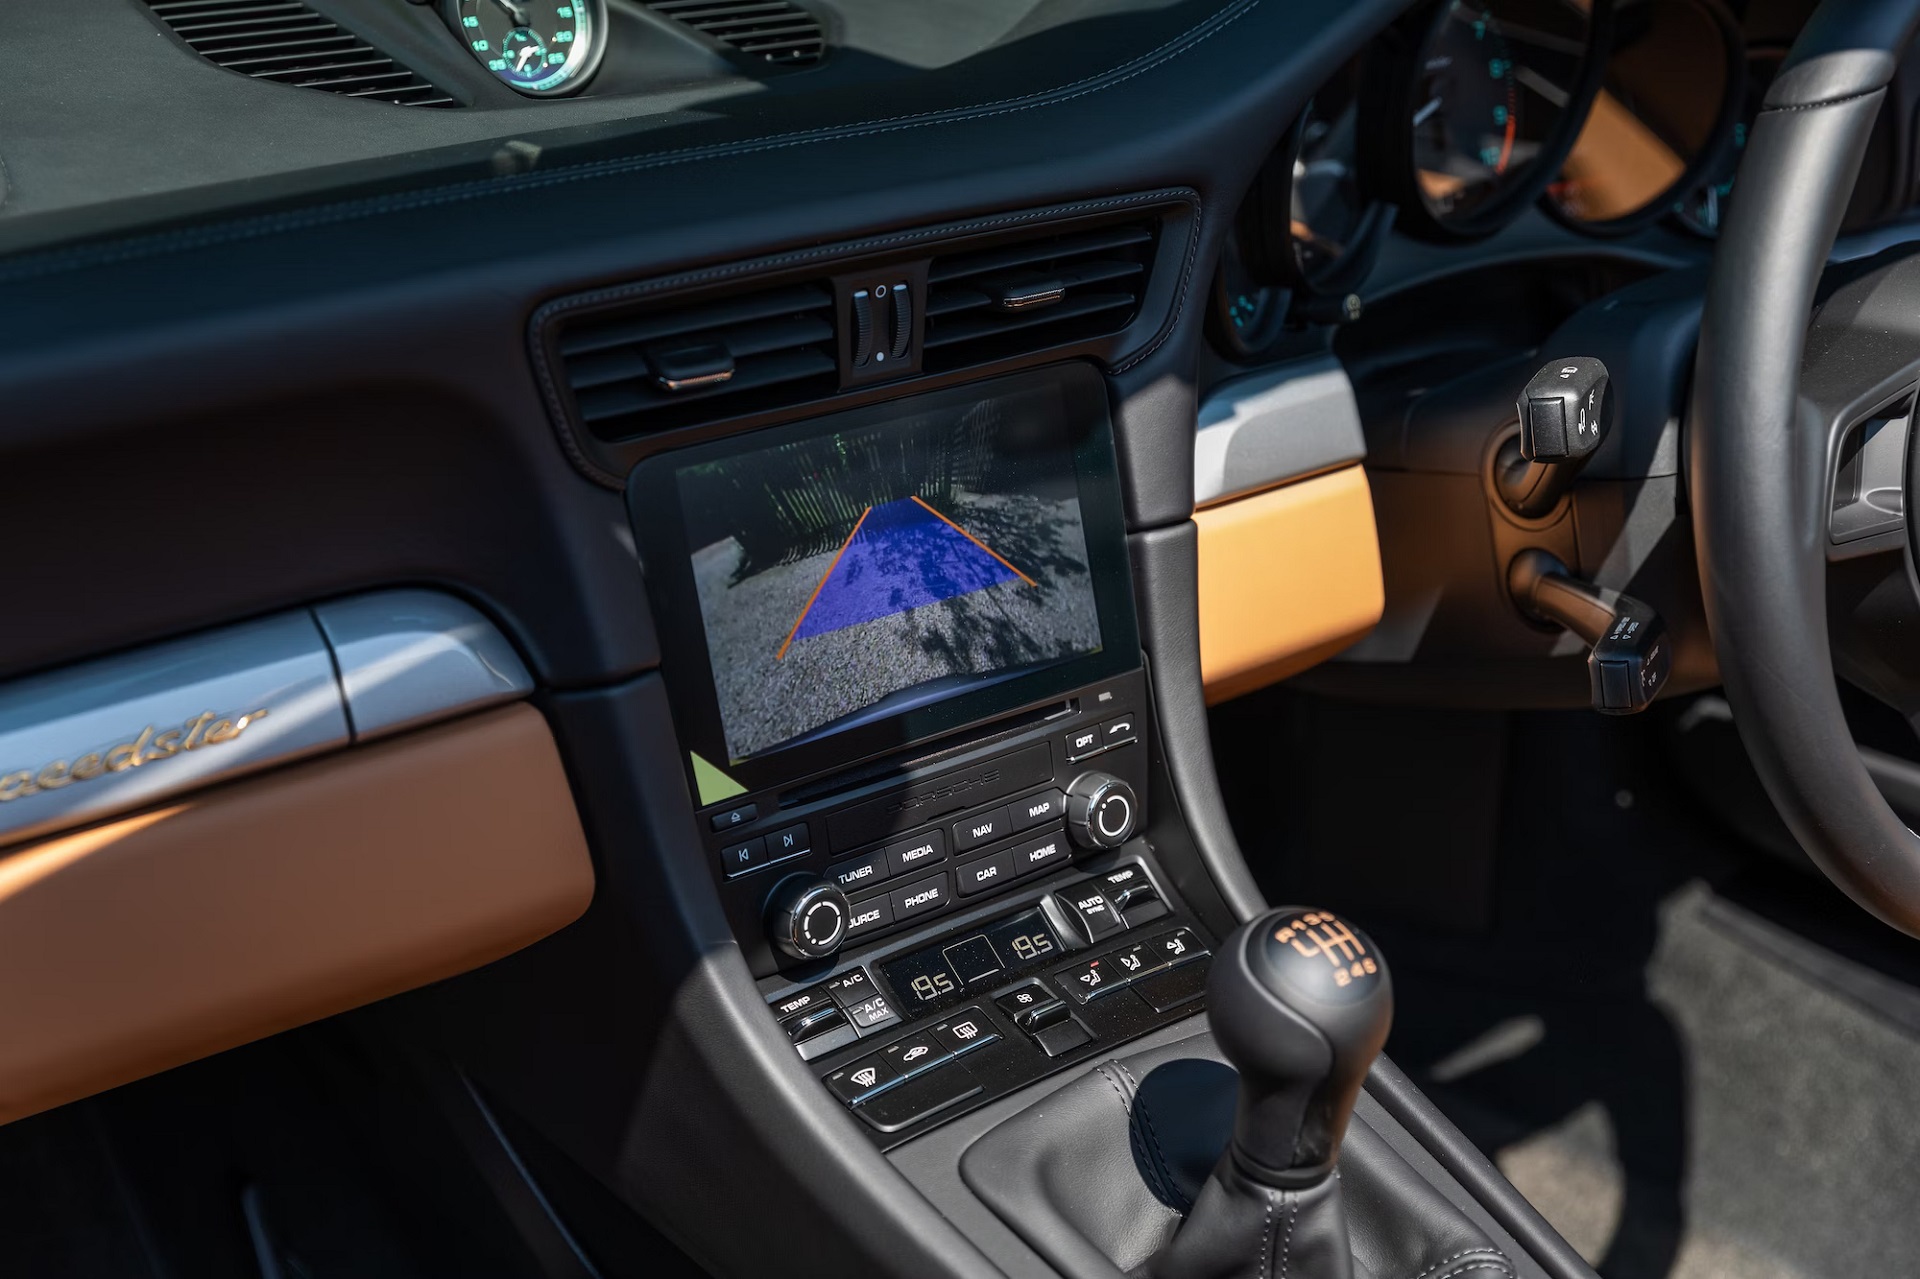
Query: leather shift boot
[{"x": 1123, "y": 1170}]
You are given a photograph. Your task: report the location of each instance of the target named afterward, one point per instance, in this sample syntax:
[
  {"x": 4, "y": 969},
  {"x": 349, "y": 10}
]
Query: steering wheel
[{"x": 1773, "y": 399}]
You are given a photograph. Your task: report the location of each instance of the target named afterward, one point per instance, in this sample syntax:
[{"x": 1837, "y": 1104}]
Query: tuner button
[
  {"x": 807, "y": 917},
  {"x": 1102, "y": 811}
]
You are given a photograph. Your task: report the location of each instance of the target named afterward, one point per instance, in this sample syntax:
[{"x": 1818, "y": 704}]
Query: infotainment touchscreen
[{"x": 868, "y": 570}]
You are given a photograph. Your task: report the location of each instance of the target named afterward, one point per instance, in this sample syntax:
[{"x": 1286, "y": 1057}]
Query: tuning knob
[
  {"x": 1102, "y": 810},
  {"x": 807, "y": 917}
]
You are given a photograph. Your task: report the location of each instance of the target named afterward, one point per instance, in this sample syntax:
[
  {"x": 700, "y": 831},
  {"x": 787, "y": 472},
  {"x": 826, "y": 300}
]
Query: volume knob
[
  {"x": 807, "y": 917},
  {"x": 1102, "y": 811}
]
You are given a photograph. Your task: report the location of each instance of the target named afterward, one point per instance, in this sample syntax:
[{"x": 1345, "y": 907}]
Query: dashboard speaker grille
[
  {"x": 286, "y": 42},
  {"x": 990, "y": 304},
  {"x": 774, "y": 30},
  {"x": 641, "y": 372}
]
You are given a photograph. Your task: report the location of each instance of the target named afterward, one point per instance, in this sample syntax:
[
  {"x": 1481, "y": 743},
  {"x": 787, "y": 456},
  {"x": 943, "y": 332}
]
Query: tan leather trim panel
[
  {"x": 1288, "y": 578},
  {"x": 150, "y": 941}
]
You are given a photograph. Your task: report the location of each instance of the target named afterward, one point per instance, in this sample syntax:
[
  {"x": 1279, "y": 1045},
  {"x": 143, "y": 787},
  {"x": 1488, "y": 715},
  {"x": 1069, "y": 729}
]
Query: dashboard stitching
[
  {"x": 52, "y": 262},
  {"x": 549, "y": 386}
]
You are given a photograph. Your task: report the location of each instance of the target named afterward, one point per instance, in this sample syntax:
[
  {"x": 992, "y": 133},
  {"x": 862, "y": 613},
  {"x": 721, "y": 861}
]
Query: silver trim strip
[
  {"x": 104, "y": 737},
  {"x": 1277, "y": 425}
]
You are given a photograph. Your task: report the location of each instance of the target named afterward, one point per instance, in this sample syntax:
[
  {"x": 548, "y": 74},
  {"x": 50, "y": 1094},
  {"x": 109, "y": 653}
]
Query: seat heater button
[
  {"x": 965, "y": 1030},
  {"x": 921, "y": 898},
  {"x": 981, "y": 828},
  {"x": 915, "y": 1053},
  {"x": 1137, "y": 961},
  {"x": 1092, "y": 911},
  {"x": 748, "y": 854},
  {"x": 1090, "y": 980},
  {"x": 904, "y": 855},
  {"x": 1180, "y": 946},
  {"x": 1036, "y": 854},
  {"x": 859, "y": 872},
  {"x": 874, "y": 912},
  {"x": 850, "y": 988},
  {"x": 1047, "y": 806},
  {"x": 862, "y": 1079},
  {"x": 988, "y": 872}
]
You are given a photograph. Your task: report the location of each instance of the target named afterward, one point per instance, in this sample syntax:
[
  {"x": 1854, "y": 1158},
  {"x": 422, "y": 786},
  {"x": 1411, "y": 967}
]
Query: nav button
[{"x": 981, "y": 828}]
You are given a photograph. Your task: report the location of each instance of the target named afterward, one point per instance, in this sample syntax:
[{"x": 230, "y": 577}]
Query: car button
[
  {"x": 1047, "y": 806},
  {"x": 801, "y": 1001},
  {"x": 1117, "y": 732},
  {"x": 789, "y": 841},
  {"x": 861, "y": 1079},
  {"x": 981, "y": 828},
  {"x": 1089, "y": 980},
  {"x": 1037, "y": 853},
  {"x": 1082, "y": 743},
  {"x": 915, "y": 1053},
  {"x": 988, "y": 872},
  {"x": 921, "y": 898},
  {"x": 738, "y": 815},
  {"x": 748, "y": 854},
  {"x": 965, "y": 1030},
  {"x": 874, "y": 912},
  {"x": 850, "y": 988},
  {"x": 1090, "y": 909},
  {"x": 905, "y": 855},
  {"x": 857, "y": 873}
]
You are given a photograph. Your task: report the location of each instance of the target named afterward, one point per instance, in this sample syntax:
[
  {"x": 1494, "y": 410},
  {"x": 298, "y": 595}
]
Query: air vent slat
[
  {"x": 752, "y": 374},
  {"x": 630, "y": 361},
  {"x": 733, "y": 311},
  {"x": 285, "y": 42},
  {"x": 775, "y": 31},
  {"x": 1048, "y": 291},
  {"x": 962, "y": 265}
]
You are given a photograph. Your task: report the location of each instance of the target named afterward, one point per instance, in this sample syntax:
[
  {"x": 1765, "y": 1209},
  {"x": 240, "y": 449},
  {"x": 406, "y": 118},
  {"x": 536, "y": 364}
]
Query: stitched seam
[
  {"x": 633, "y": 290},
  {"x": 1478, "y": 1266},
  {"x": 1163, "y": 1170},
  {"x": 1266, "y": 1237},
  {"x": 1490, "y": 1254},
  {"x": 1286, "y": 1244},
  {"x": 54, "y": 261},
  {"x": 1826, "y": 102},
  {"x": 1105, "y": 1070}
]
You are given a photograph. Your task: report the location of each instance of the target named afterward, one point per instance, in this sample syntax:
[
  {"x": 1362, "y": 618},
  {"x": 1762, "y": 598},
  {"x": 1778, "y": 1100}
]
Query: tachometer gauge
[
  {"x": 540, "y": 47},
  {"x": 1493, "y": 94},
  {"x": 1701, "y": 210}
]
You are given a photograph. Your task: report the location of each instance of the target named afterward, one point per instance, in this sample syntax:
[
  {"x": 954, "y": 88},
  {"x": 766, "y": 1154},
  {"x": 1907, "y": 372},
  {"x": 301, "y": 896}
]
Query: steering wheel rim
[{"x": 1758, "y": 467}]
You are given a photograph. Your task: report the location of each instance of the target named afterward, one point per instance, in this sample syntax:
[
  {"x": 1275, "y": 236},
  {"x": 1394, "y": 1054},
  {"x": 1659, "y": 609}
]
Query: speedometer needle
[
  {"x": 528, "y": 52},
  {"x": 514, "y": 12}
]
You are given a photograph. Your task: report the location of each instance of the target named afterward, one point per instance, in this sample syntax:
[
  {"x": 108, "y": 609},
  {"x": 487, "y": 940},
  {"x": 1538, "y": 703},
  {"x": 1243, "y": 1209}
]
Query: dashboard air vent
[
  {"x": 775, "y": 30},
  {"x": 637, "y": 373},
  {"x": 989, "y": 304},
  {"x": 288, "y": 43}
]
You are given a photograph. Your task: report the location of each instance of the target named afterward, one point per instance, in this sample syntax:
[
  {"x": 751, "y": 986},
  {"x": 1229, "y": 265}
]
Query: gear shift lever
[{"x": 1299, "y": 1002}]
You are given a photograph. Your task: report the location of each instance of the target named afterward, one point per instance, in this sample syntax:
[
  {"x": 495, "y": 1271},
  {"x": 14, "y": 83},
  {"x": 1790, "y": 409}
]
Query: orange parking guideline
[
  {"x": 821, "y": 585},
  {"x": 982, "y": 545}
]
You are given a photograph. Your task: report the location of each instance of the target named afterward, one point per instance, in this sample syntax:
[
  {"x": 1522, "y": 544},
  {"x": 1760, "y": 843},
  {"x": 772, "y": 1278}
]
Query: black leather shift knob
[{"x": 1299, "y": 1001}]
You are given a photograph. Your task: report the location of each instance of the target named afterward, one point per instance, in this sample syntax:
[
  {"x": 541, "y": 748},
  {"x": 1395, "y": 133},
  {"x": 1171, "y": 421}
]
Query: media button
[
  {"x": 904, "y": 855},
  {"x": 921, "y": 898},
  {"x": 987, "y": 872},
  {"x": 859, "y": 872},
  {"x": 1032, "y": 811},
  {"x": 789, "y": 841},
  {"x": 748, "y": 854},
  {"x": 862, "y": 1079},
  {"x": 738, "y": 815},
  {"x": 874, "y": 912},
  {"x": 1083, "y": 743},
  {"x": 981, "y": 828},
  {"x": 1040, "y": 852}
]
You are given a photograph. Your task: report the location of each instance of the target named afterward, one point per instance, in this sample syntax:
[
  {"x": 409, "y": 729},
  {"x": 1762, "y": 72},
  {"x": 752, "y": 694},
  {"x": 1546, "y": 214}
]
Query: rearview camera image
[{"x": 854, "y": 575}]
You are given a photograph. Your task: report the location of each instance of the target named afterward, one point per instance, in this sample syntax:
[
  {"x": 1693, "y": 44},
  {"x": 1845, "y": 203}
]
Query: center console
[{"x": 906, "y": 673}]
